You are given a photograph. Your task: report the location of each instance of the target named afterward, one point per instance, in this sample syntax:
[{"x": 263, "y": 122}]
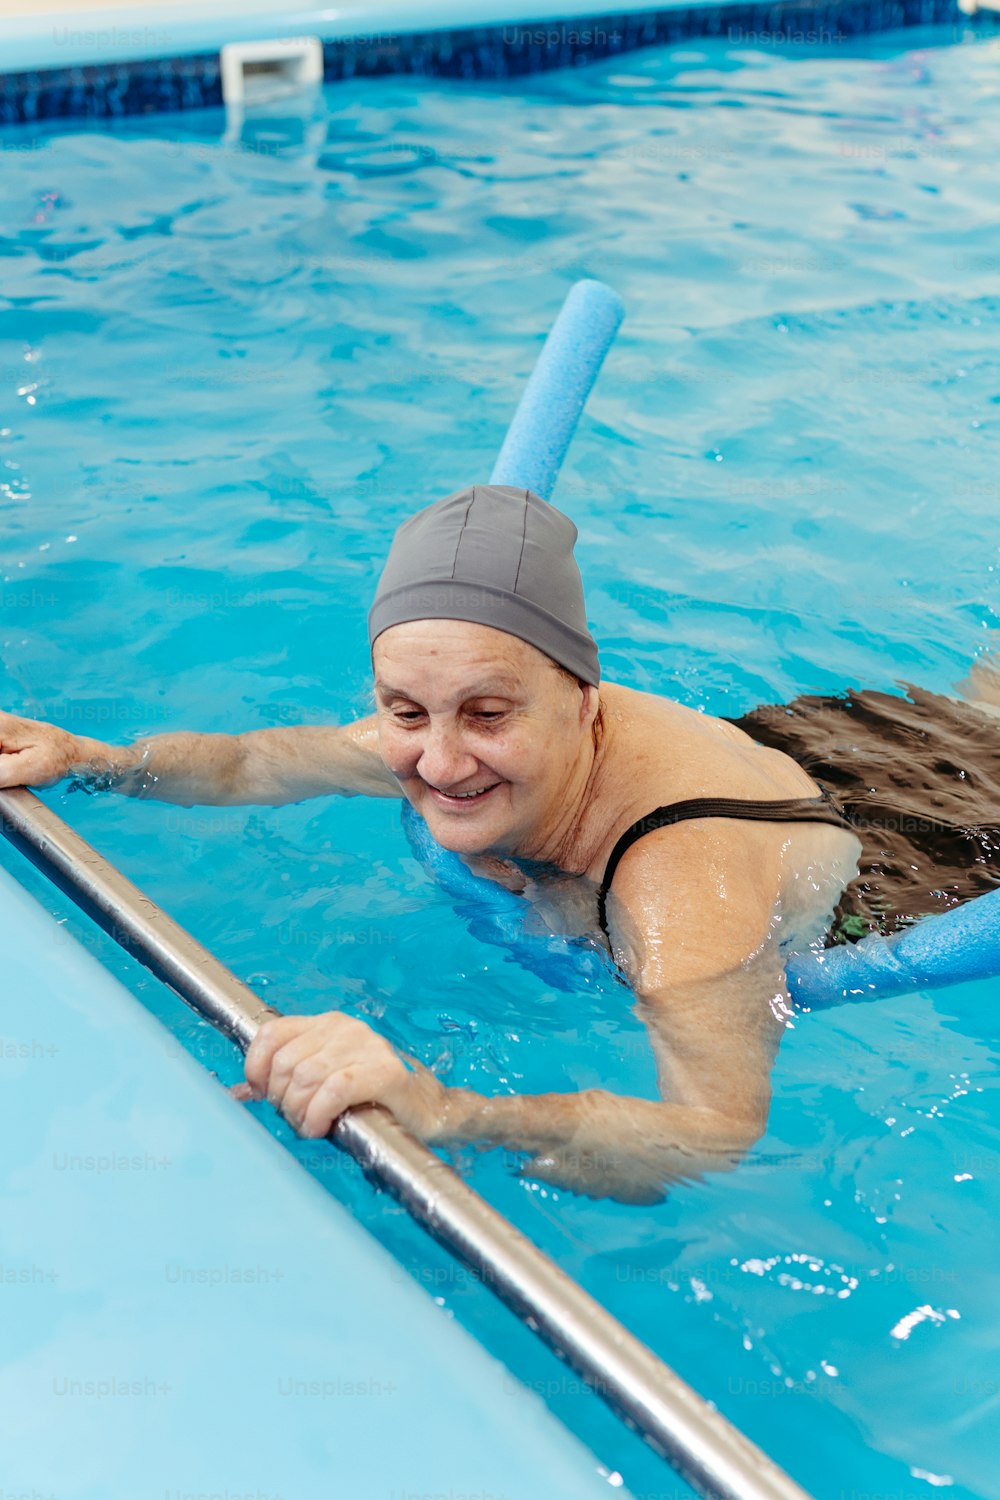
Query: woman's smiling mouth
[{"x": 461, "y": 799}]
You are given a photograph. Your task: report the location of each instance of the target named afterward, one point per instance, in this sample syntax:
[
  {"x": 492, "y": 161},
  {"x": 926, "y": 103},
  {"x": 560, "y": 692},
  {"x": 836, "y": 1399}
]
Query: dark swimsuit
[
  {"x": 917, "y": 779},
  {"x": 822, "y": 809}
]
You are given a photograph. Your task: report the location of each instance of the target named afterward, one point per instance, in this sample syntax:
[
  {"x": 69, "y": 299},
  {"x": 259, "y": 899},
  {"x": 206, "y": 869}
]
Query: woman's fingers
[
  {"x": 340, "y": 1090},
  {"x": 312, "y": 1068},
  {"x": 270, "y": 1038},
  {"x": 307, "y": 1077},
  {"x": 299, "y": 1066}
]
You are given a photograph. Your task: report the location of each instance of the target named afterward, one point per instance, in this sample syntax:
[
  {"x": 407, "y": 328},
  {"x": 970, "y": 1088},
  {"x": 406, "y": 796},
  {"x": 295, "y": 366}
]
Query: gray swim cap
[{"x": 497, "y": 556}]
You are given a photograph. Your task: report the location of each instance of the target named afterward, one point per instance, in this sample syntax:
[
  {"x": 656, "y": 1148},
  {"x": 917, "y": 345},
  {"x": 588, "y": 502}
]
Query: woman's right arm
[{"x": 265, "y": 766}]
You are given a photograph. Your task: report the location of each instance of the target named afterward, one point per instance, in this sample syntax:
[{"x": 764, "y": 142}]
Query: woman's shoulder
[
  {"x": 640, "y": 707},
  {"x": 671, "y": 752}
]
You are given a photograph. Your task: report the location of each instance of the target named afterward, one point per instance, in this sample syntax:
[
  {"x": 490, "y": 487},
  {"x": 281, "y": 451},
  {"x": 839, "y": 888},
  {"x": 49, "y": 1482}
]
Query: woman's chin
[
  {"x": 464, "y": 830},
  {"x": 454, "y": 834}
]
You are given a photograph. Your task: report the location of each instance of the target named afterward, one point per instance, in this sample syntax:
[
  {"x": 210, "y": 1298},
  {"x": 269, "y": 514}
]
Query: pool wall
[
  {"x": 109, "y": 64},
  {"x": 185, "y": 1310}
]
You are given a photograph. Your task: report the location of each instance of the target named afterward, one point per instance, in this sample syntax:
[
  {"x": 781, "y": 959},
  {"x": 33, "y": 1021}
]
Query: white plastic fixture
[{"x": 260, "y": 72}]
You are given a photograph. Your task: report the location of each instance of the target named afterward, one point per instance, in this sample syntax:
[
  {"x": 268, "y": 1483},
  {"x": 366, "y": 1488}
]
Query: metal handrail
[{"x": 701, "y": 1445}]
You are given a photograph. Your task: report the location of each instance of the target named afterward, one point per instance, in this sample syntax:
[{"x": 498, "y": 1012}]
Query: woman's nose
[{"x": 443, "y": 761}]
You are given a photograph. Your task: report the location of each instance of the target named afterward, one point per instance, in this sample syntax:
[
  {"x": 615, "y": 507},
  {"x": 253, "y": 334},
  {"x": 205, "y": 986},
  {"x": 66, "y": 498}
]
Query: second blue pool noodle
[
  {"x": 956, "y": 946},
  {"x": 959, "y": 945}
]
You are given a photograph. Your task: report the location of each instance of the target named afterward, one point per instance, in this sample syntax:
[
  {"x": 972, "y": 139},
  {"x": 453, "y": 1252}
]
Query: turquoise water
[{"x": 230, "y": 365}]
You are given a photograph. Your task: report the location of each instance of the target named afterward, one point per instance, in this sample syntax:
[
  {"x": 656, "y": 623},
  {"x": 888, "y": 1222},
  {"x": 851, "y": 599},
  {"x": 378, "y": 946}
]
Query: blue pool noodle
[
  {"x": 557, "y": 390},
  {"x": 959, "y": 945},
  {"x": 497, "y": 915}
]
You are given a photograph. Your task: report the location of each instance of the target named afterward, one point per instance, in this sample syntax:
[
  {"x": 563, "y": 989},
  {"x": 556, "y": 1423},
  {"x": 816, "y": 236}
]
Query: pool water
[{"x": 232, "y": 362}]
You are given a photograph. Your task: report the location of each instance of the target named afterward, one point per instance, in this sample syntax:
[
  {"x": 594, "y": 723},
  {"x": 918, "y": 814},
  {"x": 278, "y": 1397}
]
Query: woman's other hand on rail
[
  {"x": 35, "y": 754},
  {"x": 313, "y": 1068}
]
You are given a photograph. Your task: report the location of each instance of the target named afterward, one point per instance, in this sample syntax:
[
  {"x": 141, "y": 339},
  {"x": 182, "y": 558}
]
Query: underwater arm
[
  {"x": 602, "y": 1144},
  {"x": 714, "y": 1038},
  {"x": 691, "y": 916},
  {"x": 709, "y": 992}
]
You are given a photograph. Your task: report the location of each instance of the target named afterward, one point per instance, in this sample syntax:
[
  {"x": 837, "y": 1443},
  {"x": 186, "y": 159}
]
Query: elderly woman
[{"x": 492, "y": 720}]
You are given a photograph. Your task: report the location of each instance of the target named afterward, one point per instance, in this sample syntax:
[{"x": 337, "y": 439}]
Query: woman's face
[{"x": 463, "y": 708}]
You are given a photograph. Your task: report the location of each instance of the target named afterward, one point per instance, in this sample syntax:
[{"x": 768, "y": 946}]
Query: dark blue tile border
[{"x": 495, "y": 52}]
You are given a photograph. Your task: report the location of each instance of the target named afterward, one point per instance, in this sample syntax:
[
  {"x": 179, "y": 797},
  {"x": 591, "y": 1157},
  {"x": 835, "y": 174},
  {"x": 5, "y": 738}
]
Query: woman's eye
[{"x": 407, "y": 715}]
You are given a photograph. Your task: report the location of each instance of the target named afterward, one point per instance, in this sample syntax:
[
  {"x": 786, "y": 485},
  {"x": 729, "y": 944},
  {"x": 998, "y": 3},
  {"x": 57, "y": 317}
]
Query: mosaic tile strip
[{"x": 118, "y": 89}]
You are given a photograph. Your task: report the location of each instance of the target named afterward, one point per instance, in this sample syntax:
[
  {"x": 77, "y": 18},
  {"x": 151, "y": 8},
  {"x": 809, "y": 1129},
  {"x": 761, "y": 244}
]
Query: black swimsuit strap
[{"x": 821, "y": 809}]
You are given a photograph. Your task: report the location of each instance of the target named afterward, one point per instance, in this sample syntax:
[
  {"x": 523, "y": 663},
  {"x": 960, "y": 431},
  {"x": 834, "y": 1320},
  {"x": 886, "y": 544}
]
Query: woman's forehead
[
  {"x": 440, "y": 649},
  {"x": 453, "y": 639}
]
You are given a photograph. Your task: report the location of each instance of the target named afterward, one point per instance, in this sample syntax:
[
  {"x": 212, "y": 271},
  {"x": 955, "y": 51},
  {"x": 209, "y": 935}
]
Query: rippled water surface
[{"x": 231, "y": 362}]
